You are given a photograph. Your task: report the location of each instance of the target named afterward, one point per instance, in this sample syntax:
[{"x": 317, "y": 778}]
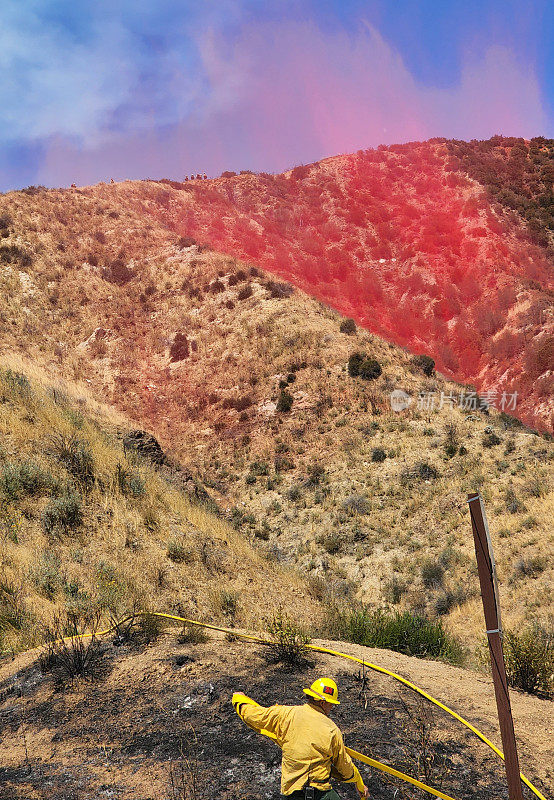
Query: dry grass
[
  {"x": 215, "y": 410},
  {"x": 114, "y": 561}
]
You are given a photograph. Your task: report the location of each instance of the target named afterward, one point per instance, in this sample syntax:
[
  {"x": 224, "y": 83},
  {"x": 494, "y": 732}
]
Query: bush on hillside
[
  {"x": 288, "y": 641},
  {"x": 129, "y": 482},
  {"x": 5, "y": 221},
  {"x": 285, "y": 401},
  {"x": 378, "y": 455},
  {"x": 25, "y": 479},
  {"x": 402, "y": 631},
  {"x": 15, "y": 382},
  {"x": 12, "y": 254},
  {"x": 245, "y": 292},
  {"x": 360, "y": 365},
  {"x": 432, "y": 574},
  {"x": 278, "y": 290},
  {"x": 370, "y": 369},
  {"x": 425, "y": 363},
  {"x": 117, "y": 272},
  {"x": 179, "y": 349},
  {"x": 185, "y": 241},
  {"x": 78, "y": 656},
  {"x": 422, "y": 471},
  {"x": 354, "y": 363},
  {"x": 76, "y": 456},
  {"x": 348, "y": 326},
  {"x": 63, "y": 514},
  {"x": 529, "y": 657},
  {"x": 491, "y": 439}
]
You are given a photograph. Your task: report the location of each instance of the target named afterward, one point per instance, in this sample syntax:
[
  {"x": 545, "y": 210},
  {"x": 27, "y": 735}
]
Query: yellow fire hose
[{"x": 359, "y": 756}]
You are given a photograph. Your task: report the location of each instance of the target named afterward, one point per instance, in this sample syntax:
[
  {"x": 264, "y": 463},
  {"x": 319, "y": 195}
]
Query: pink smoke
[{"x": 288, "y": 93}]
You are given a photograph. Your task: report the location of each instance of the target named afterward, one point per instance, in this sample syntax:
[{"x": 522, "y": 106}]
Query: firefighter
[{"x": 312, "y": 745}]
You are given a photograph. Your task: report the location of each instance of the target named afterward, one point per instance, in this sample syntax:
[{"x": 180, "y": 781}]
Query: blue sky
[{"x": 94, "y": 90}]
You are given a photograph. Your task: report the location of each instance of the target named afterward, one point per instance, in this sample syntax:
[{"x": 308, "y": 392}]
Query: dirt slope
[{"x": 165, "y": 708}]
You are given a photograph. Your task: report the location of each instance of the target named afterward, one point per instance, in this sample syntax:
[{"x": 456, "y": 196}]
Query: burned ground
[{"x": 159, "y": 724}]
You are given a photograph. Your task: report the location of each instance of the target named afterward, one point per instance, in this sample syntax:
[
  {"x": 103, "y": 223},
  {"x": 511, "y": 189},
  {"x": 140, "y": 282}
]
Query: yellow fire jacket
[{"x": 312, "y": 745}]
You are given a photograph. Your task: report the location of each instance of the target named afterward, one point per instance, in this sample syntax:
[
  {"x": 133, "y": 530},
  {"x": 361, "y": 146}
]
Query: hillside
[
  {"x": 158, "y": 725},
  {"x": 207, "y": 353},
  {"x": 443, "y": 247},
  {"x": 89, "y": 524}
]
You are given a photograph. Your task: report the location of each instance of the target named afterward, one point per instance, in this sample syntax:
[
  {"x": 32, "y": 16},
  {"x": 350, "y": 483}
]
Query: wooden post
[{"x": 491, "y": 607}]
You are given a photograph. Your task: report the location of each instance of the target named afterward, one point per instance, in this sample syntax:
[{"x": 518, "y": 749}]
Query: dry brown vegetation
[
  {"x": 367, "y": 502},
  {"x": 86, "y": 527}
]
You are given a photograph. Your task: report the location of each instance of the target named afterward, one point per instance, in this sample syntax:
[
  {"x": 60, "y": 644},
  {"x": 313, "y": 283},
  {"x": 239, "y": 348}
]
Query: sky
[{"x": 130, "y": 89}]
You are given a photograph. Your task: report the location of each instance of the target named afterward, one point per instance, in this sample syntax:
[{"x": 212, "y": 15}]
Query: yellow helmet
[{"x": 324, "y": 689}]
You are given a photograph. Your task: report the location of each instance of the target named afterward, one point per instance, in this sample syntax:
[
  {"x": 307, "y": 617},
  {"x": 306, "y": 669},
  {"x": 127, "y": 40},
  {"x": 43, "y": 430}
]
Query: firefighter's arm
[
  {"x": 344, "y": 768},
  {"x": 260, "y": 719}
]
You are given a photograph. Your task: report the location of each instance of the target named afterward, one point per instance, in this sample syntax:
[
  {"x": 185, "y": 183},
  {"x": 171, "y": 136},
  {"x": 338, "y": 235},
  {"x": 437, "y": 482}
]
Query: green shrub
[
  {"x": 16, "y": 382},
  {"x": 76, "y": 456},
  {"x": 63, "y": 514},
  {"x": 288, "y": 640},
  {"x": 378, "y": 455},
  {"x": 360, "y": 365},
  {"x": 25, "y": 479},
  {"x": 432, "y": 574},
  {"x": 294, "y": 493},
  {"x": 356, "y": 504},
  {"x": 491, "y": 439},
  {"x": 46, "y": 574},
  {"x": 130, "y": 482},
  {"x": 316, "y": 473},
  {"x": 177, "y": 551},
  {"x": 529, "y": 657},
  {"x": 13, "y": 615},
  {"x": 402, "y": 631},
  {"x": 193, "y": 634},
  {"x": 529, "y": 567},
  {"x": 285, "y": 401},
  {"x": 370, "y": 369},
  {"x": 448, "y": 600},
  {"x": 13, "y": 254},
  {"x": 283, "y": 463},
  {"x": 393, "y": 590},
  {"x": 513, "y": 504},
  {"x": 278, "y": 290},
  {"x": 10, "y": 521},
  {"x": 149, "y": 628},
  {"x": 354, "y": 363},
  {"x": 227, "y": 603},
  {"x": 348, "y": 326},
  {"x": 451, "y": 442},
  {"x": 331, "y": 542},
  {"x": 425, "y": 364},
  {"x": 422, "y": 471}
]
